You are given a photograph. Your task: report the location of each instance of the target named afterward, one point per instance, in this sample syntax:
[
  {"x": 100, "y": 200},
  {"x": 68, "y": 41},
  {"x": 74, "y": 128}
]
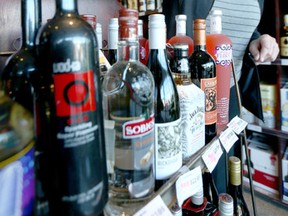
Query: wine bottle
[
  {"x": 142, "y": 43},
  {"x": 70, "y": 148},
  {"x": 16, "y": 75},
  {"x": 168, "y": 149},
  {"x": 16, "y": 158},
  {"x": 235, "y": 187},
  {"x": 284, "y": 38},
  {"x": 203, "y": 74},
  {"x": 181, "y": 36},
  {"x": 195, "y": 206},
  {"x": 219, "y": 46},
  {"x": 210, "y": 192},
  {"x": 128, "y": 91},
  {"x": 112, "y": 40},
  {"x": 192, "y": 104}
]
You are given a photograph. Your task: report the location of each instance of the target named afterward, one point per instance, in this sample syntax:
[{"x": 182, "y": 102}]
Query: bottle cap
[
  {"x": 198, "y": 199},
  {"x": 91, "y": 19},
  {"x": 216, "y": 12},
  {"x": 235, "y": 170},
  {"x": 180, "y": 17},
  {"x": 128, "y": 24},
  {"x": 286, "y": 19},
  {"x": 157, "y": 21},
  {"x": 225, "y": 205},
  {"x": 113, "y": 23},
  {"x": 199, "y": 24}
]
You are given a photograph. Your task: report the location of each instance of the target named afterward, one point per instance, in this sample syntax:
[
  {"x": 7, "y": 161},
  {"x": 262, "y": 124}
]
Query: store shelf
[{"x": 268, "y": 131}]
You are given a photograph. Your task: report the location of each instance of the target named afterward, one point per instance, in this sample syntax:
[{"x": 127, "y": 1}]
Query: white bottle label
[
  {"x": 192, "y": 107},
  {"x": 168, "y": 149}
]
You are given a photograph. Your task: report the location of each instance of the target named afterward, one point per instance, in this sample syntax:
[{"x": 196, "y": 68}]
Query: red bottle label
[
  {"x": 133, "y": 129},
  {"x": 74, "y": 93}
]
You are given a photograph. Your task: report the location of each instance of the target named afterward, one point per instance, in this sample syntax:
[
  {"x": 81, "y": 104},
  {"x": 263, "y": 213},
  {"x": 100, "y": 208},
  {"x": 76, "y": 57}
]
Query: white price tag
[
  {"x": 237, "y": 125},
  {"x": 188, "y": 184},
  {"x": 212, "y": 155},
  {"x": 155, "y": 207},
  {"x": 228, "y": 138}
]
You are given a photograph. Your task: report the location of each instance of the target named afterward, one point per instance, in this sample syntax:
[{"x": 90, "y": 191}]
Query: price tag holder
[
  {"x": 228, "y": 138},
  {"x": 155, "y": 207},
  {"x": 188, "y": 184},
  {"x": 212, "y": 155},
  {"x": 237, "y": 125}
]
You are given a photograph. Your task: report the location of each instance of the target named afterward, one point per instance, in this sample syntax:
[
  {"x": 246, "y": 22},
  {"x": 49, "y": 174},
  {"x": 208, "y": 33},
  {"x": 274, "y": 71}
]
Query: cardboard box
[
  {"x": 264, "y": 165},
  {"x": 284, "y": 107},
  {"x": 285, "y": 176}
]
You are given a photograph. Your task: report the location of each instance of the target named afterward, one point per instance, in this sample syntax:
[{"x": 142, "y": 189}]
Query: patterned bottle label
[
  {"x": 209, "y": 86},
  {"x": 192, "y": 109},
  {"x": 168, "y": 149}
]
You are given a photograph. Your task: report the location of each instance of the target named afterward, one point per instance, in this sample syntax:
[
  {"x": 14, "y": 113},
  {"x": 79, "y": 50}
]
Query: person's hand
[{"x": 264, "y": 48}]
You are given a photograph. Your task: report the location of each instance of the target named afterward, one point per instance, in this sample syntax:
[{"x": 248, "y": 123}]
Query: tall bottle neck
[
  {"x": 128, "y": 51},
  {"x": 199, "y": 39},
  {"x": 66, "y": 6},
  {"x": 31, "y": 21},
  {"x": 215, "y": 24},
  {"x": 157, "y": 38},
  {"x": 181, "y": 27}
]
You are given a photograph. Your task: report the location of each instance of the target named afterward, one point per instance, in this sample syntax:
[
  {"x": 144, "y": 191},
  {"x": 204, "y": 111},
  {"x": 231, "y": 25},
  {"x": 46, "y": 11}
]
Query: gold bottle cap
[
  {"x": 200, "y": 32},
  {"x": 235, "y": 170}
]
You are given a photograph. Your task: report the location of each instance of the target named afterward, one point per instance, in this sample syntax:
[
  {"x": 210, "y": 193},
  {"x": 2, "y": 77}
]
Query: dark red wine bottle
[
  {"x": 203, "y": 74},
  {"x": 70, "y": 147},
  {"x": 16, "y": 75}
]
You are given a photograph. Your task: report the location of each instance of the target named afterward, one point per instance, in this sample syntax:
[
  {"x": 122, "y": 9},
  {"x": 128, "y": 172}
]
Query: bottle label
[
  {"x": 134, "y": 150},
  {"x": 209, "y": 86},
  {"x": 284, "y": 46},
  {"x": 192, "y": 109},
  {"x": 223, "y": 55},
  {"x": 17, "y": 183},
  {"x": 168, "y": 149}
]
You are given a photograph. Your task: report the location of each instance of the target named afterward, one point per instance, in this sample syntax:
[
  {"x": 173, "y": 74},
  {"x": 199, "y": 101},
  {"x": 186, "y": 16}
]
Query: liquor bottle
[
  {"x": 168, "y": 149},
  {"x": 219, "y": 46},
  {"x": 181, "y": 36},
  {"x": 142, "y": 43},
  {"x": 235, "y": 187},
  {"x": 192, "y": 104},
  {"x": 210, "y": 192},
  {"x": 195, "y": 206},
  {"x": 203, "y": 74},
  {"x": 16, "y": 75},
  {"x": 225, "y": 205},
  {"x": 112, "y": 40},
  {"x": 142, "y": 6},
  {"x": 17, "y": 191},
  {"x": 70, "y": 149},
  {"x": 128, "y": 91},
  {"x": 151, "y": 5},
  {"x": 284, "y": 38}
]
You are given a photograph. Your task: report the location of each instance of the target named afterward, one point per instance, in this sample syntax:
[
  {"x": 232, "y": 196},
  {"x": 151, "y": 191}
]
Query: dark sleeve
[{"x": 192, "y": 8}]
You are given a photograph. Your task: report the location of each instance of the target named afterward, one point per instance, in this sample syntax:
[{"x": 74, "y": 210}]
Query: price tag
[
  {"x": 155, "y": 207},
  {"x": 212, "y": 155},
  {"x": 228, "y": 138},
  {"x": 188, "y": 184},
  {"x": 237, "y": 125}
]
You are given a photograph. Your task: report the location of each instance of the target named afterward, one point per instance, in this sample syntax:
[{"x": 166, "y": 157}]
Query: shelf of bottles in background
[
  {"x": 168, "y": 148},
  {"x": 181, "y": 36},
  {"x": 284, "y": 38},
  {"x": 112, "y": 40},
  {"x": 70, "y": 147},
  {"x": 128, "y": 91},
  {"x": 203, "y": 74},
  {"x": 219, "y": 46},
  {"x": 192, "y": 104}
]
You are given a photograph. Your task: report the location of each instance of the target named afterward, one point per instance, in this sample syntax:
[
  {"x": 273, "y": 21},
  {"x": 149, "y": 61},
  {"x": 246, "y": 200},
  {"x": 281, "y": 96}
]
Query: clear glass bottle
[
  {"x": 235, "y": 187},
  {"x": 128, "y": 91},
  {"x": 16, "y": 75},
  {"x": 168, "y": 148},
  {"x": 70, "y": 147},
  {"x": 112, "y": 40},
  {"x": 203, "y": 74},
  {"x": 219, "y": 46},
  {"x": 192, "y": 104},
  {"x": 181, "y": 36}
]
